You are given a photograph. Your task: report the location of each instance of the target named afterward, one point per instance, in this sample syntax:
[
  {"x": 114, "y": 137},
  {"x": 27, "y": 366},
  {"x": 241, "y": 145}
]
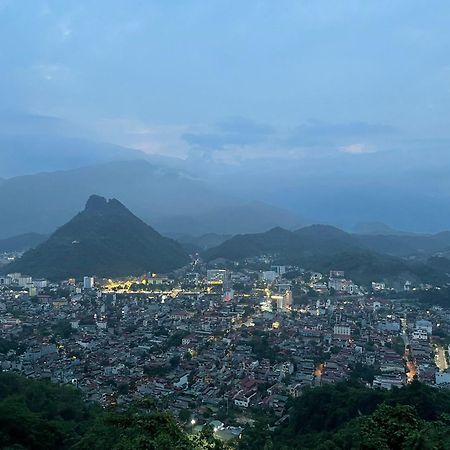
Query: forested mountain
[
  {"x": 322, "y": 247},
  {"x": 105, "y": 239}
]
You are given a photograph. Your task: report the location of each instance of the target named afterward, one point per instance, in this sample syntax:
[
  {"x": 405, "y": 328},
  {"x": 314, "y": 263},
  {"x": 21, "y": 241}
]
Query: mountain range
[
  {"x": 172, "y": 200},
  {"x": 364, "y": 257},
  {"x": 105, "y": 240},
  {"x": 31, "y": 143},
  {"x": 52, "y": 148}
]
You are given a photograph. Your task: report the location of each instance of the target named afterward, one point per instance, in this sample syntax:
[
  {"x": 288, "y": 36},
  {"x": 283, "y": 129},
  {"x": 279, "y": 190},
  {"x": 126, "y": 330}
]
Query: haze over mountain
[
  {"x": 169, "y": 198},
  {"x": 106, "y": 240},
  {"x": 32, "y": 143},
  {"x": 24, "y": 155},
  {"x": 364, "y": 141},
  {"x": 376, "y": 228}
]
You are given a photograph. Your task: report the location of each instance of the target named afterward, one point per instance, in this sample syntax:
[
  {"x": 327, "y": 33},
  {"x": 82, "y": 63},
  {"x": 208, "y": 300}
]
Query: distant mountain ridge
[
  {"x": 21, "y": 242},
  {"x": 244, "y": 217},
  {"x": 31, "y": 144},
  {"x": 327, "y": 239},
  {"x": 323, "y": 247},
  {"x": 42, "y": 154},
  {"x": 172, "y": 200},
  {"x": 105, "y": 240},
  {"x": 203, "y": 242},
  {"x": 377, "y": 228}
]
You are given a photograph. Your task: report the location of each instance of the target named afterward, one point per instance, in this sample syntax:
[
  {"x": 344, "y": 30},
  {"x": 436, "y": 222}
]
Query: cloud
[
  {"x": 243, "y": 126},
  {"x": 65, "y": 31},
  {"x": 243, "y": 139},
  {"x": 4, "y": 4},
  {"x": 236, "y": 131},
  {"x": 51, "y": 72},
  {"x": 236, "y": 140},
  {"x": 316, "y": 127},
  {"x": 163, "y": 139},
  {"x": 316, "y": 133},
  {"x": 357, "y": 149}
]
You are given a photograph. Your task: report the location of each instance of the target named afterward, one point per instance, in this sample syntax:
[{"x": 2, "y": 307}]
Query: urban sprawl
[{"x": 219, "y": 343}]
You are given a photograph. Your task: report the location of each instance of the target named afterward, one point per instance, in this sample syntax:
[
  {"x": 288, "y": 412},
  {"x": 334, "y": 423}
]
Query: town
[{"x": 220, "y": 343}]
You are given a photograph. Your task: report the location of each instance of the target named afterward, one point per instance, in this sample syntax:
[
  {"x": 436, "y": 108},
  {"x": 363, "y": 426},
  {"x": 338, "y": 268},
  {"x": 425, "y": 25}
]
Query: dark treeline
[
  {"x": 351, "y": 416},
  {"x": 41, "y": 415}
]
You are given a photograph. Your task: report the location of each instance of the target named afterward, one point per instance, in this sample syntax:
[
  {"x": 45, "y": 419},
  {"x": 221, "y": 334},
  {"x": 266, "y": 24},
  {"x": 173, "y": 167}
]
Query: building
[
  {"x": 341, "y": 330},
  {"x": 19, "y": 279},
  {"x": 88, "y": 282},
  {"x": 216, "y": 276},
  {"x": 5, "y": 281},
  {"x": 269, "y": 276},
  {"x": 280, "y": 270},
  {"x": 378, "y": 286},
  {"x": 158, "y": 280},
  {"x": 337, "y": 274},
  {"x": 288, "y": 299},
  {"x": 392, "y": 326},
  {"x": 192, "y": 278},
  {"x": 342, "y": 285},
  {"x": 244, "y": 399},
  {"x": 40, "y": 284},
  {"x": 388, "y": 381},
  {"x": 228, "y": 295},
  {"x": 442, "y": 377},
  {"x": 420, "y": 335},
  {"x": 424, "y": 325},
  {"x": 284, "y": 300}
]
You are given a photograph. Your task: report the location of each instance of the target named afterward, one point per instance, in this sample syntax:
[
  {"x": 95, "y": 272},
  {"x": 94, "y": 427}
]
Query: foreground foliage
[
  {"x": 40, "y": 415},
  {"x": 351, "y": 416}
]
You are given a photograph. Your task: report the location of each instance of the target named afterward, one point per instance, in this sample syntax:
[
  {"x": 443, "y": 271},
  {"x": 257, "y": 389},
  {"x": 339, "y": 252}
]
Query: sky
[{"x": 341, "y": 92}]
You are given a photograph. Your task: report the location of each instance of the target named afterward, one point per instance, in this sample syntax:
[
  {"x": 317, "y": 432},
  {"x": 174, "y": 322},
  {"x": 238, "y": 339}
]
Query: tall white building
[
  {"x": 342, "y": 330},
  {"x": 88, "y": 282},
  {"x": 280, "y": 270}
]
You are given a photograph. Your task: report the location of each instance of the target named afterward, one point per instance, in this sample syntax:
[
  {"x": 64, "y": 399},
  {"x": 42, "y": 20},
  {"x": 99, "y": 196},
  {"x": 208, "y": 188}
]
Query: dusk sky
[{"x": 357, "y": 86}]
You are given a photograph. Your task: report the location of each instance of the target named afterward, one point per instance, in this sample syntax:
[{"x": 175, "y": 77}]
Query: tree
[{"x": 185, "y": 415}]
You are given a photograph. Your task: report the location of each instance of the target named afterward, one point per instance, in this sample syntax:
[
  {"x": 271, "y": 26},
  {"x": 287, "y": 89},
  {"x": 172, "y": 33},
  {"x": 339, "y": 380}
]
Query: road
[
  {"x": 440, "y": 359},
  {"x": 411, "y": 367}
]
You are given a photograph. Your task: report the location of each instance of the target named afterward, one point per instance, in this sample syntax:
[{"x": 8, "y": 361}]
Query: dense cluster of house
[{"x": 217, "y": 342}]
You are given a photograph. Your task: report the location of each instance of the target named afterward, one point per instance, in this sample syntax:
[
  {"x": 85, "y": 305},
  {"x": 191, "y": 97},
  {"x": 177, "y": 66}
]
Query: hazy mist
[{"x": 337, "y": 112}]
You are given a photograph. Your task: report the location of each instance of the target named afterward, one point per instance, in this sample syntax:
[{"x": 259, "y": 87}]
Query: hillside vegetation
[{"x": 321, "y": 247}]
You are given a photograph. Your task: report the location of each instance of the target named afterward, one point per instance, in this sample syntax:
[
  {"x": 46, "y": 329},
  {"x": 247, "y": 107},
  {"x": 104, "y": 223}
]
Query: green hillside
[{"x": 322, "y": 248}]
